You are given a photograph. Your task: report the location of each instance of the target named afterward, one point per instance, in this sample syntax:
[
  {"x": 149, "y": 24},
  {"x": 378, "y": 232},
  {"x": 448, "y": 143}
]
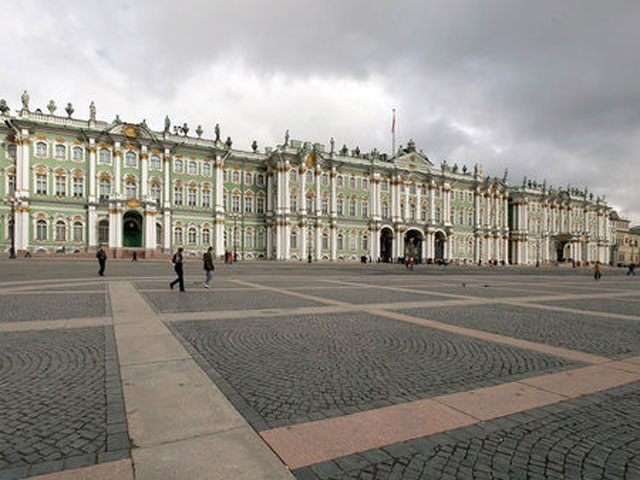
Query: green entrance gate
[{"x": 132, "y": 231}]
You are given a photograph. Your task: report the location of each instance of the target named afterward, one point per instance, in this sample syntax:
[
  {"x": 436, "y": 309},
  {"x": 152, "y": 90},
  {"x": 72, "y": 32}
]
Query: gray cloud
[{"x": 547, "y": 89}]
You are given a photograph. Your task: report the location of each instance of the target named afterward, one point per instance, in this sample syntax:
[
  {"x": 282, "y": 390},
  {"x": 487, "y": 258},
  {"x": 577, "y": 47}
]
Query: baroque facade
[{"x": 73, "y": 185}]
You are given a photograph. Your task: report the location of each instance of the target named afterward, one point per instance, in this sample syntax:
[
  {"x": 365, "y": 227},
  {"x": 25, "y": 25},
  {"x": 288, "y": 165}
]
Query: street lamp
[{"x": 235, "y": 237}]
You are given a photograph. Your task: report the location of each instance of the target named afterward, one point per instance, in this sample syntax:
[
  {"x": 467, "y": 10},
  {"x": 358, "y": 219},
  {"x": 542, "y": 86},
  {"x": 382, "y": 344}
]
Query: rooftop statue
[
  {"x": 344, "y": 150},
  {"x": 185, "y": 129},
  {"x": 51, "y": 106},
  {"x": 4, "y": 108},
  {"x": 167, "y": 124},
  {"x": 254, "y": 146},
  {"x": 92, "y": 111},
  {"x": 117, "y": 120},
  {"x": 199, "y": 131},
  {"x": 464, "y": 169},
  {"x": 69, "y": 109},
  {"x": 506, "y": 174},
  {"x": 286, "y": 138},
  {"x": 332, "y": 142},
  {"x": 228, "y": 143},
  {"x": 25, "y": 101},
  {"x": 216, "y": 130}
]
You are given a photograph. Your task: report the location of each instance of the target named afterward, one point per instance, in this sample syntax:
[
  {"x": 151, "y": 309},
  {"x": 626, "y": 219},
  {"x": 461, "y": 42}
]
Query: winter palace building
[{"x": 69, "y": 185}]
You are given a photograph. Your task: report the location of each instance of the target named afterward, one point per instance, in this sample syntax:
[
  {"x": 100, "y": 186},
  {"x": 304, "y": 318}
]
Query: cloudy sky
[{"x": 547, "y": 89}]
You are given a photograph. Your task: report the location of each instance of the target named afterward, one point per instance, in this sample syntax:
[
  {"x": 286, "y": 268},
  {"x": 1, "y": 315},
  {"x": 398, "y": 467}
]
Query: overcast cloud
[{"x": 550, "y": 90}]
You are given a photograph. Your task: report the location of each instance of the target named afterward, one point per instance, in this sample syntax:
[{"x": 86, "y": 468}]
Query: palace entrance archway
[
  {"x": 439, "y": 240},
  {"x": 132, "y": 230},
  {"x": 413, "y": 245},
  {"x": 562, "y": 249},
  {"x": 386, "y": 244}
]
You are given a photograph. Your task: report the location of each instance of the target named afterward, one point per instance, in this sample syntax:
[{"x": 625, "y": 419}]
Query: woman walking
[
  {"x": 597, "y": 271},
  {"x": 208, "y": 266}
]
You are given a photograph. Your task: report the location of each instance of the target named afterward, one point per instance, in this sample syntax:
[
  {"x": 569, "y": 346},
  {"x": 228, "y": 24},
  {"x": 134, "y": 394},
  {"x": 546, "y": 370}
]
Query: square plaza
[{"x": 321, "y": 371}]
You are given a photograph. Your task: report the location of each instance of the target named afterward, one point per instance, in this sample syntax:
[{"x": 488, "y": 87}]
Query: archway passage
[
  {"x": 386, "y": 244},
  {"x": 413, "y": 245},
  {"x": 562, "y": 249},
  {"x": 439, "y": 240},
  {"x": 132, "y": 231}
]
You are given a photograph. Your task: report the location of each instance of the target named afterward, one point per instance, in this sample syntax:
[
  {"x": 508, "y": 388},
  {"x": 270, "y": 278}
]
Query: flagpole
[{"x": 393, "y": 134}]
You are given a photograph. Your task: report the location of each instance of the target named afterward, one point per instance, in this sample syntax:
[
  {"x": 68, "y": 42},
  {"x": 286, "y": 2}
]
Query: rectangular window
[
  {"x": 365, "y": 209},
  {"x": 340, "y": 206},
  {"x": 325, "y": 206},
  {"x": 309, "y": 201},
  {"x": 78, "y": 187},
  {"x": 61, "y": 186},
  {"x": 294, "y": 240},
  {"x": 206, "y": 199},
  {"x": 41, "y": 184},
  {"x": 293, "y": 202},
  {"x": 352, "y": 208},
  {"x": 235, "y": 204},
  {"x": 352, "y": 183},
  {"x": 248, "y": 204},
  {"x": 352, "y": 241},
  {"x": 11, "y": 184},
  {"x": 177, "y": 196},
  {"x": 260, "y": 205},
  {"x": 365, "y": 183},
  {"x": 192, "y": 197}
]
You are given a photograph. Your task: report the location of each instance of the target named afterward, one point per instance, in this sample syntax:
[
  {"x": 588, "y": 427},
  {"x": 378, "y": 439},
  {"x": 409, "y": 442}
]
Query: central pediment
[{"x": 413, "y": 161}]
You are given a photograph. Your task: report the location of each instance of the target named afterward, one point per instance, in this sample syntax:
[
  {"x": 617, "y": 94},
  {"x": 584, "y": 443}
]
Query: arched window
[
  {"x": 235, "y": 176},
  {"x": 365, "y": 183},
  {"x": 12, "y": 151},
  {"x": 365, "y": 208},
  {"x": 159, "y": 234},
  {"x": 324, "y": 179},
  {"x": 352, "y": 207},
  {"x": 192, "y": 235},
  {"x": 105, "y": 188},
  {"x": 324, "y": 206},
  {"x": 78, "y": 232},
  {"x": 423, "y": 190},
  {"x": 309, "y": 205},
  {"x": 248, "y": 240},
  {"x": 130, "y": 189},
  {"x": 309, "y": 177},
  {"x": 438, "y": 213},
  {"x": 293, "y": 202},
  {"x": 235, "y": 202},
  {"x": 365, "y": 243},
  {"x": 325, "y": 241},
  {"x": 470, "y": 217},
  {"x": 103, "y": 231},
  {"x": 61, "y": 152},
  {"x": 461, "y": 217},
  {"x": 41, "y": 230},
  {"x": 130, "y": 159},
  {"x": 352, "y": 240},
  {"x": 11, "y": 183},
  {"x": 193, "y": 167},
  {"x": 78, "y": 154},
  {"x": 340, "y": 242},
  {"x": 61, "y": 231},
  {"x": 259, "y": 180},
  {"x": 412, "y": 189},
  {"x": 384, "y": 185},
  {"x": 423, "y": 212},
  {"x": 248, "y": 178},
  {"x": 248, "y": 203},
  {"x": 155, "y": 163},
  {"x": 260, "y": 240},
  {"x": 412, "y": 212},
  {"x": 339, "y": 181},
  {"x": 260, "y": 205},
  {"x": 178, "y": 165},
  {"x": 206, "y": 236},
  {"x": 340, "y": 206},
  {"x": 352, "y": 183},
  {"x": 206, "y": 169},
  {"x": 177, "y": 235},
  {"x": 78, "y": 187},
  {"x": 41, "y": 149},
  {"x": 294, "y": 239},
  {"x": 156, "y": 192},
  {"x": 293, "y": 175},
  {"x": 105, "y": 156}
]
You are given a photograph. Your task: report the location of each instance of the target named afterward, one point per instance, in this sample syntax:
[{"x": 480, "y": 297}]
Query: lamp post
[
  {"x": 235, "y": 237},
  {"x": 12, "y": 232}
]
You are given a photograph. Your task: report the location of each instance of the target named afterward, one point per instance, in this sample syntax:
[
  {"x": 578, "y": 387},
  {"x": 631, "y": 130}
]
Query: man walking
[
  {"x": 631, "y": 269},
  {"x": 178, "y": 262},
  {"x": 597, "y": 271},
  {"x": 208, "y": 266},
  {"x": 102, "y": 260}
]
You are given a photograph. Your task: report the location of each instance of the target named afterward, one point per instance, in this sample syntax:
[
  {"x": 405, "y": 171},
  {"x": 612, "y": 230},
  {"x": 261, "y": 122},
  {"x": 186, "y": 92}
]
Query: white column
[
  {"x": 92, "y": 226},
  {"x": 302, "y": 194},
  {"x": 395, "y": 206},
  {"x": 218, "y": 205},
  {"x": 446, "y": 204},
  {"x": 117, "y": 157},
  {"x": 333, "y": 206},
  {"x": 304, "y": 248},
  {"x": 318, "y": 199},
  {"x": 23, "y": 173},
  {"x": 92, "y": 171},
  {"x": 432, "y": 204},
  {"x": 334, "y": 242},
  {"x": 167, "y": 181},
  {"x": 374, "y": 245},
  {"x": 269, "y": 191},
  {"x": 429, "y": 245},
  {"x": 318, "y": 242},
  {"x": 476, "y": 248},
  {"x": 269, "y": 241},
  {"x": 476, "y": 206},
  {"x": 505, "y": 253},
  {"x": 144, "y": 174},
  {"x": 166, "y": 230},
  {"x": 150, "y": 229}
]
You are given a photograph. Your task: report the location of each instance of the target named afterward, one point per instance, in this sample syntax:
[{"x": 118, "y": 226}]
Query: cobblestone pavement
[
  {"x": 21, "y": 308},
  {"x": 61, "y": 401},
  {"x": 296, "y": 369},
  {"x": 305, "y": 348},
  {"x": 594, "y": 437},
  {"x": 597, "y": 335}
]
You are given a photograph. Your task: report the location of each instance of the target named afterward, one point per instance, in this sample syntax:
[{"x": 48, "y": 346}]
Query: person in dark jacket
[
  {"x": 178, "y": 263},
  {"x": 208, "y": 266},
  {"x": 102, "y": 260}
]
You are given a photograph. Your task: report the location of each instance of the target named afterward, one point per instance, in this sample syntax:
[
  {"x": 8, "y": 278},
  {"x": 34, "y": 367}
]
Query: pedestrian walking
[
  {"x": 134, "y": 257},
  {"x": 178, "y": 263},
  {"x": 102, "y": 260},
  {"x": 208, "y": 266},
  {"x": 597, "y": 271},
  {"x": 631, "y": 269}
]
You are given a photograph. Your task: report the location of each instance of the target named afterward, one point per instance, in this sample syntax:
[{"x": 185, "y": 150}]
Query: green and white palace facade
[{"x": 71, "y": 185}]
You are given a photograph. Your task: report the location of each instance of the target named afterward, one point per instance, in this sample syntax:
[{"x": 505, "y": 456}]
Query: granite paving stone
[
  {"x": 212, "y": 300},
  {"x": 374, "y": 295},
  {"x": 604, "y": 336},
  {"x": 594, "y": 437},
  {"x": 52, "y": 307},
  {"x": 607, "y": 305},
  {"x": 292, "y": 369},
  {"x": 54, "y": 394}
]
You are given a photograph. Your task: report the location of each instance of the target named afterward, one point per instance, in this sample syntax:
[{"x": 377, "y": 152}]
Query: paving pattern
[
  {"x": 598, "y": 335},
  {"x": 61, "y": 400},
  {"x": 345, "y": 371},
  {"x": 593, "y": 437},
  {"x": 20, "y": 308}
]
